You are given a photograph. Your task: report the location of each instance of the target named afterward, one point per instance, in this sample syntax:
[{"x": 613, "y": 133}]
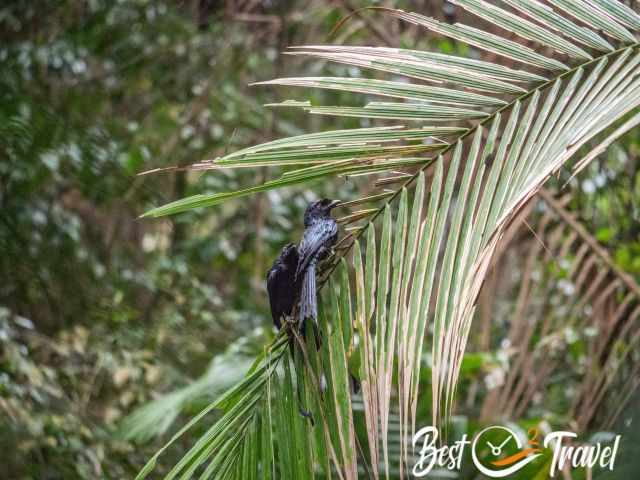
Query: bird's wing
[
  {"x": 274, "y": 295},
  {"x": 319, "y": 235},
  {"x": 280, "y": 284}
]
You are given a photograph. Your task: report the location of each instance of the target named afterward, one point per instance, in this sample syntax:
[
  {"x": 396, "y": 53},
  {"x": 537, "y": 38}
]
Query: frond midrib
[{"x": 462, "y": 137}]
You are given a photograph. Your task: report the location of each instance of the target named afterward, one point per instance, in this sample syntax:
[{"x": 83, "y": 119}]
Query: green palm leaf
[{"x": 441, "y": 228}]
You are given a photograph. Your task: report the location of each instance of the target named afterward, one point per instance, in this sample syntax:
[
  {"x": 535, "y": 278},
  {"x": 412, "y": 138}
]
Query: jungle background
[{"x": 102, "y": 313}]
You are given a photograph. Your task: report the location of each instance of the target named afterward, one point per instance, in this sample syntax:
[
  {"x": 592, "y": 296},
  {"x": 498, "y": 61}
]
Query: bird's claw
[{"x": 306, "y": 414}]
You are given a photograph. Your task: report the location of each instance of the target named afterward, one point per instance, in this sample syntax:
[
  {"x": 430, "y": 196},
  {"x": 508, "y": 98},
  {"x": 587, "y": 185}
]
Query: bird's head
[{"x": 319, "y": 209}]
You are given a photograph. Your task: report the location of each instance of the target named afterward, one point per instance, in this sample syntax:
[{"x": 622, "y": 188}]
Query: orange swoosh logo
[{"x": 515, "y": 457}]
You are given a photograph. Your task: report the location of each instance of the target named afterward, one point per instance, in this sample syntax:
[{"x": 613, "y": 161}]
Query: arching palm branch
[{"x": 479, "y": 146}]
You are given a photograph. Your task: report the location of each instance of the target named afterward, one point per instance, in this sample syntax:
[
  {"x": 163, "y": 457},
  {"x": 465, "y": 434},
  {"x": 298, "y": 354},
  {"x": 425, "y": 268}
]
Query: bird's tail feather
[
  {"x": 308, "y": 300},
  {"x": 299, "y": 367}
]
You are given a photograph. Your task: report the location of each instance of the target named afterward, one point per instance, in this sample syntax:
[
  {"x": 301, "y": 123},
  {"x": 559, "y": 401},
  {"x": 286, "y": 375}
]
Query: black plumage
[
  {"x": 292, "y": 276},
  {"x": 320, "y": 234},
  {"x": 281, "y": 287}
]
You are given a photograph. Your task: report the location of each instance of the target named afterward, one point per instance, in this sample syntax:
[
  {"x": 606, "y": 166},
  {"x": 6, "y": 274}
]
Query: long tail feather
[
  {"x": 308, "y": 300},
  {"x": 299, "y": 368}
]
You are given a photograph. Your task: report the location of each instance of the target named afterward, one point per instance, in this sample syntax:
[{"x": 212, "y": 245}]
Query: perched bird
[
  {"x": 292, "y": 276},
  {"x": 283, "y": 295},
  {"x": 281, "y": 286},
  {"x": 320, "y": 234}
]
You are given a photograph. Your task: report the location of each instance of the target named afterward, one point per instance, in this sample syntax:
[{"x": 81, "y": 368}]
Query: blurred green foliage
[{"x": 100, "y": 311}]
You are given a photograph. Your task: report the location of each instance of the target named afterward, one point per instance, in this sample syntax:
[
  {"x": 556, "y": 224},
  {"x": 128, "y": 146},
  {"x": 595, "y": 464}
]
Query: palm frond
[
  {"x": 516, "y": 127},
  {"x": 240, "y": 405}
]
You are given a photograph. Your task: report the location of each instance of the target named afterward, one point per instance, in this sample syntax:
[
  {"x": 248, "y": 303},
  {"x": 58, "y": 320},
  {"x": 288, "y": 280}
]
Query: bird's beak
[{"x": 334, "y": 204}]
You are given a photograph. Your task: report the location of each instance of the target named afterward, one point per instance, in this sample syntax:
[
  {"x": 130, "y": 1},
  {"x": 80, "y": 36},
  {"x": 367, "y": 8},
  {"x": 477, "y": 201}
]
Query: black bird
[
  {"x": 292, "y": 276},
  {"x": 281, "y": 285},
  {"x": 283, "y": 295},
  {"x": 320, "y": 234}
]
